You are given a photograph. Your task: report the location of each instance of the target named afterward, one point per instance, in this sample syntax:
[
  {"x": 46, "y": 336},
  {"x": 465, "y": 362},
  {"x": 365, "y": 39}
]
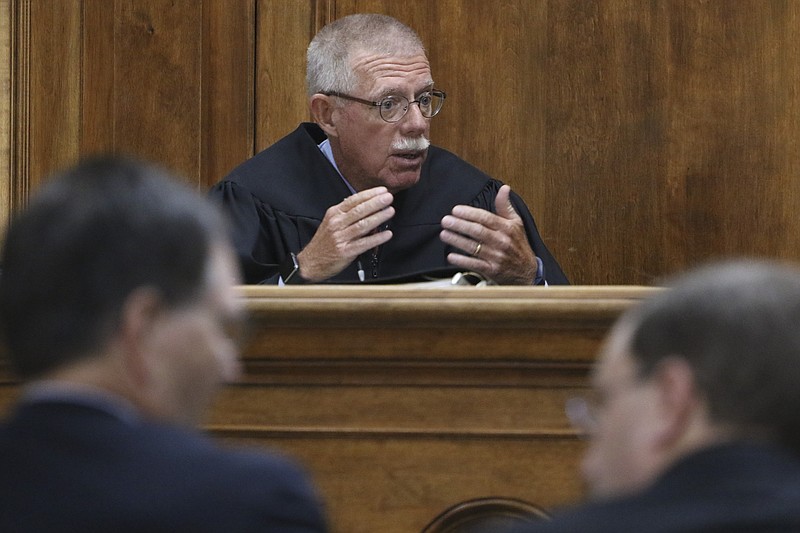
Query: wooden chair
[{"x": 485, "y": 514}]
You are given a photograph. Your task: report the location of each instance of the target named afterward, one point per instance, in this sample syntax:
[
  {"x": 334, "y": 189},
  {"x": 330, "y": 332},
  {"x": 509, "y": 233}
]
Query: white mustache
[{"x": 411, "y": 144}]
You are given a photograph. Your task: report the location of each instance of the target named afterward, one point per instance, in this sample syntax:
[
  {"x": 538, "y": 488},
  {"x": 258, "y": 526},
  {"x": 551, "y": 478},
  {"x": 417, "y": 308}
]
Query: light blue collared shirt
[{"x": 325, "y": 147}]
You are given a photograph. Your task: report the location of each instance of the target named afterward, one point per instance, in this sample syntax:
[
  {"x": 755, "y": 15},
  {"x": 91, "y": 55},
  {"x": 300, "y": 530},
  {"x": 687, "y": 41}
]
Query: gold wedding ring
[{"x": 477, "y": 249}]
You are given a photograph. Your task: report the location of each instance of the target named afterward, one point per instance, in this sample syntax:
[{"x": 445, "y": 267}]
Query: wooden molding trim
[
  {"x": 19, "y": 178},
  {"x": 324, "y": 12},
  {"x": 287, "y": 432}
]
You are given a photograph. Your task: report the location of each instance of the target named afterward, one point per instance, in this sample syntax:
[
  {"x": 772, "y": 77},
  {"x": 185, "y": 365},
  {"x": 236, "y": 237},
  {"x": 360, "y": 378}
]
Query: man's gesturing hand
[
  {"x": 495, "y": 245},
  {"x": 346, "y": 232}
]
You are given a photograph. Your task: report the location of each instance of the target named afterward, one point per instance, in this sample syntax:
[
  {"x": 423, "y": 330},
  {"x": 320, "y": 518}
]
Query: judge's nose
[{"x": 413, "y": 123}]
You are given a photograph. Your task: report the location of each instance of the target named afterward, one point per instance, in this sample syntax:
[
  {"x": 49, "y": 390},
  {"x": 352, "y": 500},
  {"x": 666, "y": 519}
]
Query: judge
[{"x": 361, "y": 194}]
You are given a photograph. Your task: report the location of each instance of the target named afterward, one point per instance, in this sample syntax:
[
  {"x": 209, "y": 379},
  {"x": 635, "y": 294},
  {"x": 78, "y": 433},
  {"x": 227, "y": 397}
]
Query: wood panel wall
[
  {"x": 646, "y": 136},
  {"x": 5, "y": 108}
]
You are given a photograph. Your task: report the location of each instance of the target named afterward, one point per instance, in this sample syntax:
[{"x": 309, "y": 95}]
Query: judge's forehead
[{"x": 383, "y": 69}]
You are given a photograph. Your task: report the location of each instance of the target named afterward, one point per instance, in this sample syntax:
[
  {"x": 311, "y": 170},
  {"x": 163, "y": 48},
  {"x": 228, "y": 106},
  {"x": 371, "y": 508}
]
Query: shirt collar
[
  {"x": 80, "y": 394},
  {"x": 325, "y": 147}
]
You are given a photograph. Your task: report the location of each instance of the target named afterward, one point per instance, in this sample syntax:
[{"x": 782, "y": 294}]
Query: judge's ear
[
  {"x": 680, "y": 405},
  {"x": 323, "y": 113}
]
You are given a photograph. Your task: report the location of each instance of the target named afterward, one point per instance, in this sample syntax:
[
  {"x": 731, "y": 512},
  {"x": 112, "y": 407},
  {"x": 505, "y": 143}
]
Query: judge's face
[{"x": 366, "y": 149}]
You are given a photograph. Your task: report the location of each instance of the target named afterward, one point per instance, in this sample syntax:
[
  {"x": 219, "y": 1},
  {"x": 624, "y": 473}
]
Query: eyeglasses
[
  {"x": 394, "y": 107},
  {"x": 584, "y": 412}
]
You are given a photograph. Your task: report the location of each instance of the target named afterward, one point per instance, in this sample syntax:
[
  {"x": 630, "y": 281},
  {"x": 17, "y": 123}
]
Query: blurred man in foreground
[
  {"x": 695, "y": 420},
  {"x": 117, "y": 310}
]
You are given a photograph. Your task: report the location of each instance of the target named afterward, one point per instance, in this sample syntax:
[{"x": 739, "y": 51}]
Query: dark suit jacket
[
  {"x": 73, "y": 467},
  {"x": 732, "y": 488}
]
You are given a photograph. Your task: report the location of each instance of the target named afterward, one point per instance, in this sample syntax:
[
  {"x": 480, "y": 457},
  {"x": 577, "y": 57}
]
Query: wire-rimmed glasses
[{"x": 394, "y": 107}]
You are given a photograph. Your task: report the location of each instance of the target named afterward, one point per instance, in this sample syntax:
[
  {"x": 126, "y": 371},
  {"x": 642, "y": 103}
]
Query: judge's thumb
[{"x": 502, "y": 203}]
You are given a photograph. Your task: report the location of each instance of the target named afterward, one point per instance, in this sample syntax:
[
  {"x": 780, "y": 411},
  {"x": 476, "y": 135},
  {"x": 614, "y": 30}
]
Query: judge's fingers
[
  {"x": 340, "y": 217},
  {"x": 368, "y": 224},
  {"x": 470, "y": 246},
  {"x": 361, "y": 213},
  {"x": 365, "y": 203},
  {"x": 479, "y": 216},
  {"x": 472, "y": 229},
  {"x": 503, "y": 206},
  {"x": 370, "y": 241}
]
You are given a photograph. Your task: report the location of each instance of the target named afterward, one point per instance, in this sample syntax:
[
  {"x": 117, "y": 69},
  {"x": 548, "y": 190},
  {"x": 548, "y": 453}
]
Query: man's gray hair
[
  {"x": 738, "y": 325},
  {"x": 329, "y": 56}
]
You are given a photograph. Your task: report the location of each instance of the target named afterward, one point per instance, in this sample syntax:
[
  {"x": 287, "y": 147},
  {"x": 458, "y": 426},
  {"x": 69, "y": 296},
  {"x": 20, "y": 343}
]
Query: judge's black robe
[{"x": 277, "y": 199}]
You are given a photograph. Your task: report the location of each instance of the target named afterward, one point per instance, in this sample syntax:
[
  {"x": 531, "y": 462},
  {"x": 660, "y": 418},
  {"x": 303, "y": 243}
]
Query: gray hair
[
  {"x": 738, "y": 326},
  {"x": 329, "y": 55}
]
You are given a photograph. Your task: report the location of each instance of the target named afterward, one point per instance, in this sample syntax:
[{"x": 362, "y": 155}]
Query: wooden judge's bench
[{"x": 404, "y": 401}]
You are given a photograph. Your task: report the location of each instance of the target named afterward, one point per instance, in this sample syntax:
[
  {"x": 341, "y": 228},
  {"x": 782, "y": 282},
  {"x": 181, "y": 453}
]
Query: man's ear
[
  {"x": 139, "y": 313},
  {"x": 679, "y": 402},
  {"x": 323, "y": 113}
]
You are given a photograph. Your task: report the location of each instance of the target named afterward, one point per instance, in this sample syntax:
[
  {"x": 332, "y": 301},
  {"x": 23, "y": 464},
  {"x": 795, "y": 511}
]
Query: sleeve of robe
[{"x": 254, "y": 227}]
